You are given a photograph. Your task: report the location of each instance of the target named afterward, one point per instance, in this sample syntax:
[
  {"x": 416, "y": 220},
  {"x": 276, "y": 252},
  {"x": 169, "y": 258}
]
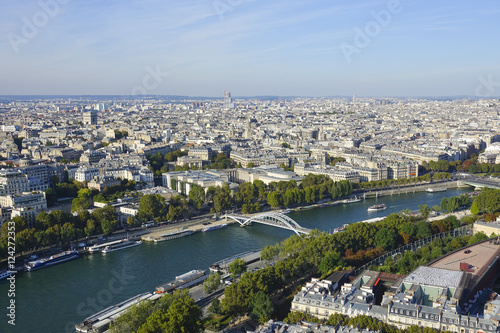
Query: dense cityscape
[{"x": 79, "y": 171}]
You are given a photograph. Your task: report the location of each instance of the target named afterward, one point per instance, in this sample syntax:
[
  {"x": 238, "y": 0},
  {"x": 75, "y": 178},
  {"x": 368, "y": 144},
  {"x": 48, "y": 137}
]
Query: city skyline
[{"x": 250, "y": 48}]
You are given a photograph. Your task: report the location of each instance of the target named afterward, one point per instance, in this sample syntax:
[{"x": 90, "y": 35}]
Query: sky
[{"x": 250, "y": 47}]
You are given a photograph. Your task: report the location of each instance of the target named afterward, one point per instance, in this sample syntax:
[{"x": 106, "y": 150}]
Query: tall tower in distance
[
  {"x": 228, "y": 101},
  {"x": 90, "y": 118},
  {"x": 354, "y": 99}
]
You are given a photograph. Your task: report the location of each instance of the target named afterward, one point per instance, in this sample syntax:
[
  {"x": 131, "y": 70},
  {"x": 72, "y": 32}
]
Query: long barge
[
  {"x": 215, "y": 227},
  {"x": 248, "y": 256},
  {"x": 100, "y": 321},
  {"x": 183, "y": 281},
  {"x": 100, "y": 247},
  {"x": 52, "y": 260},
  {"x": 126, "y": 243},
  {"x": 173, "y": 235}
]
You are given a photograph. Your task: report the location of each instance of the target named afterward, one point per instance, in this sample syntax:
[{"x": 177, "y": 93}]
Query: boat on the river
[
  {"x": 215, "y": 227},
  {"x": 52, "y": 260},
  {"x": 440, "y": 189},
  {"x": 376, "y": 208},
  {"x": 124, "y": 244},
  {"x": 184, "y": 281},
  {"x": 351, "y": 200},
  {"x": 173, "y": 235}
]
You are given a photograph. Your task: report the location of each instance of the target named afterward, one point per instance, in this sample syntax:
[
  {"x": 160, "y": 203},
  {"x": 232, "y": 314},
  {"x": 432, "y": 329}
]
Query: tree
[
  {"x": 99, "y": 198},
  {"x": 51, "y": 196},
  {"x": 261, "y": 306},
  {"x": 90, "y": 228},
  {"x": 424, "y": 210},
  {"x": 85, "y": 193},
  {"x": 80, "y": 204},
  {"x": 444, "y": 205},
  {"x": 423, "y": 229},
  {"x": 385, "y": 238},
  {"x": 330, "y": 261},
  {"x": 275, "y": 199},
  {"x": 106, "y": 213},
  {"x": 197, "y": 196},
  {"x": 68, "y": 232},
  {"x": 474, "y": 209},
  {"x": 211, "y": 193},
  {"x": 131, "y": 221},
  {"x": 237, "y": 267},
  {"x": 108, "y": 226},
  {"x": 151, "y": 206},
  {"x": 269, "y": 252},
  {"x": 479, "y": 236},
  {"x": 212, "y": 283},
  {"x": 184, "y": 316},
  {"x": 223, "y": 200},
  {"x": 215, "y": 307}
]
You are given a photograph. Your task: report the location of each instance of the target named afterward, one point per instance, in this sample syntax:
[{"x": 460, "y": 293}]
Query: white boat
[
  {"x": 375, "y": 208},
  {"x": 99, "y": 247},
  {"x": 126, "y": 243},
  {"x": 5, "y": 274},
  {"x": 351, "y": 200},
  {"x": 173, "y": 235},
  {"x": 286, "y": 211},
  {"x": 432, "y": 190}
]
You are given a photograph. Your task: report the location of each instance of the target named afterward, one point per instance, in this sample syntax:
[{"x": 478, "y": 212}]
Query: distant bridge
[
  {"x": 274, "y": 219},
  {"x": 480, "y": 182}
]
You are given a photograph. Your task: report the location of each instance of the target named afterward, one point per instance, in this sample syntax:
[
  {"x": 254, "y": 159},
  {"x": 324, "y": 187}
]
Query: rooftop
[
  {"x": 438, "y": 277},
  {"x": 478, "y": 256}
]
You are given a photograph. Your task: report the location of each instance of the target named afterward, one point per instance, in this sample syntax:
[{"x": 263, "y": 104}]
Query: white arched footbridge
[{"x": 274, "y": 219}]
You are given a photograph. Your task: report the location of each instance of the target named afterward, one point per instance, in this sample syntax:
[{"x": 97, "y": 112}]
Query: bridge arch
[{"x": 274, "y": 219}]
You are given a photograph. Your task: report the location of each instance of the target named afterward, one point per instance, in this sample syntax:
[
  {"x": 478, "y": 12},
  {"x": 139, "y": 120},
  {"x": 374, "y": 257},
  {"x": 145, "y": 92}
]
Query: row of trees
[
  {"x": 471, "y": 165},
  {"x": 409, "y": 261},
  {"x": 251, "y": 196},
  {"x": 58, "y": 228},
  {"x": 153, "y": 207},
  {"x": 488, "y": 201},
  {"x": 454, "y": 203}
]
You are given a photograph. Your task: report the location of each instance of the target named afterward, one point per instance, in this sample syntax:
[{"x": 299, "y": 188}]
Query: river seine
[{"x": 55, "y": 298}]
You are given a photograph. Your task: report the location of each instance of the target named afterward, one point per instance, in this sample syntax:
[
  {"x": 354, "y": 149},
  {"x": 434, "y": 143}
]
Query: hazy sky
[{"x": 249, "y": 47}]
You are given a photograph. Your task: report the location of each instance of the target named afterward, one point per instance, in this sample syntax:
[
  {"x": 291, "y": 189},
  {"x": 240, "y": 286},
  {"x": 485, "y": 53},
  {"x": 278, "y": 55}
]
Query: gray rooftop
[{"x": 435, "y": 277}]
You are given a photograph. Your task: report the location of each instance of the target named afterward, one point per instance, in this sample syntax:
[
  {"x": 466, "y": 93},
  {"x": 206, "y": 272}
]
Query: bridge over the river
[
  {"x": 481, "y": 182},
  {"x": 274, "y": 219}
]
